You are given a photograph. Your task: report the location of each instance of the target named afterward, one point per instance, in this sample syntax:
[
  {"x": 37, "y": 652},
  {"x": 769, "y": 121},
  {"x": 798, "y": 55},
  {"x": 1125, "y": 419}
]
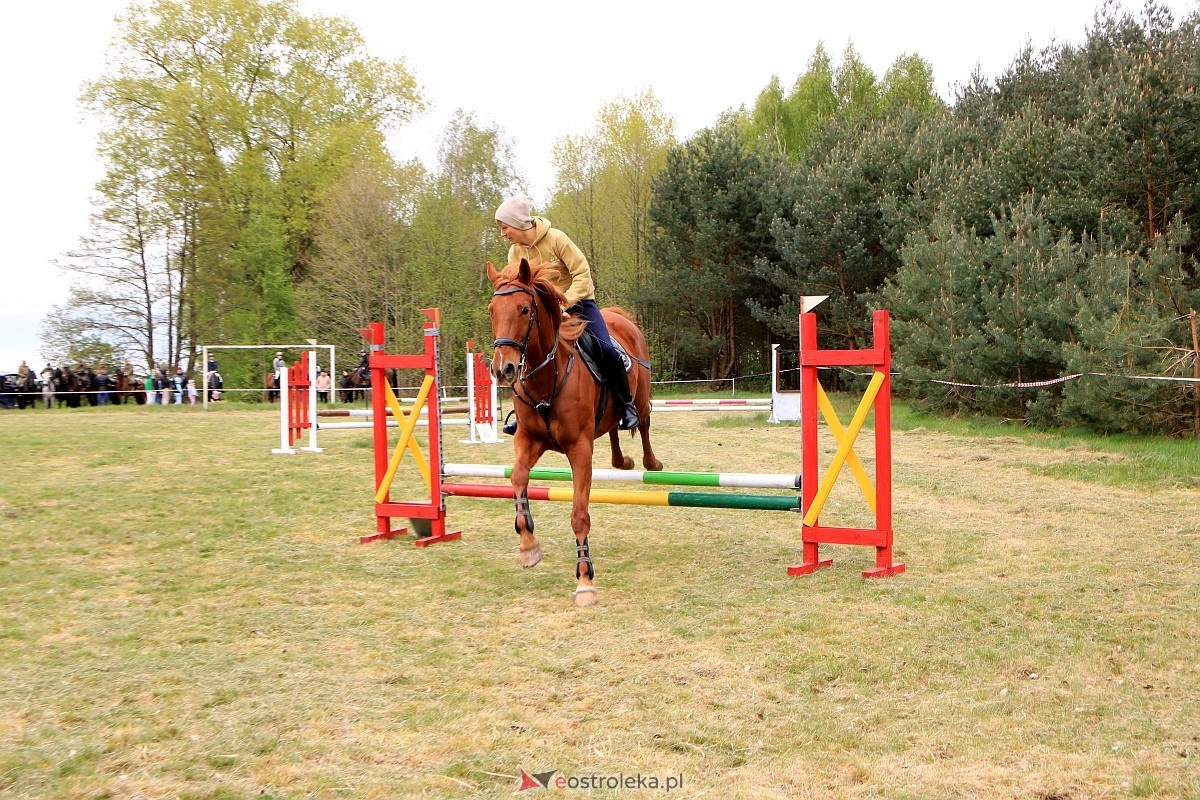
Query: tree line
[{"x": 1038, "y": 226}]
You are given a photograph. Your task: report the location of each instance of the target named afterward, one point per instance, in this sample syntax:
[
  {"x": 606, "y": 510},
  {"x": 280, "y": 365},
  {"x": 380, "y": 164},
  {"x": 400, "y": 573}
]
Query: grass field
[{"x": 185, "y": 615}]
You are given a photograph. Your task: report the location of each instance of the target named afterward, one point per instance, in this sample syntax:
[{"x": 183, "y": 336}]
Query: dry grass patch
[{"x": 187, "y": 615}]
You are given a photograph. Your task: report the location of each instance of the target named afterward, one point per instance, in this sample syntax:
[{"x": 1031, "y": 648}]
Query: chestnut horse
[{"x": 559, "y": 405}]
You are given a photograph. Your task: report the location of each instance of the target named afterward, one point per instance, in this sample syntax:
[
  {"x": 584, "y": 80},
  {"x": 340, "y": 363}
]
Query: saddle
[{"x": 591, "y": 353}]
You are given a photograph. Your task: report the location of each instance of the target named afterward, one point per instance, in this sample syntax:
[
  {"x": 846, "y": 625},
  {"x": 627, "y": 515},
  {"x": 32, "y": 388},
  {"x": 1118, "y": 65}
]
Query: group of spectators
[
  {"x": 161, "y": 386},
  {"x": 99, "y": 387},
  {"x": 161, "y": 389}
]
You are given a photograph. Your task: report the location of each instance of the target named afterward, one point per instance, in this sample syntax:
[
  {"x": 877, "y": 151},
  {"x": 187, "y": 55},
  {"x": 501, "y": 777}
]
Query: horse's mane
[
  {"x": 569, "y": 329},
  {"x": 541, "y": 285}
]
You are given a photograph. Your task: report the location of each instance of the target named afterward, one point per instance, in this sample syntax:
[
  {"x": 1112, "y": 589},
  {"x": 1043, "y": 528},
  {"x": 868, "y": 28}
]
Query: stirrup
[
  {"x": 510, "y": 424},
  {"x": 629, "y": 419}
]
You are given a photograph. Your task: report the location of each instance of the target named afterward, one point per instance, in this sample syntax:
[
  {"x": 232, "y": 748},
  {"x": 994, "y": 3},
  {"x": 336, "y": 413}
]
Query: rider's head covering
[{"x": 514, "y": 212}]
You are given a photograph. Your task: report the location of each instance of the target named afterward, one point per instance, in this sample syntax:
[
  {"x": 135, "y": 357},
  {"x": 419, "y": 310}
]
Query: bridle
[
  {"x": 523, "y": 345},
  {"x": 524, "y": 375}
]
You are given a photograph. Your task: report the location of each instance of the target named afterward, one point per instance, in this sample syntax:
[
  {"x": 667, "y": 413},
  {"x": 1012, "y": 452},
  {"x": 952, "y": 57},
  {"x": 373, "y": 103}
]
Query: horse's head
[{"x": 526, "y": 311}]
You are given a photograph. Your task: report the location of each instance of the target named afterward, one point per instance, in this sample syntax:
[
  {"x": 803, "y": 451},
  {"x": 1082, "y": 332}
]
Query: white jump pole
[
  {"x": 471, "y": 438},
  {"x": 480, "y": 432},
  {"x": 491, "y": 432},
  {"x": 284, "y": 449},
  {"x": 774, "y": 419},
  {"x": 312, "y": 405}
]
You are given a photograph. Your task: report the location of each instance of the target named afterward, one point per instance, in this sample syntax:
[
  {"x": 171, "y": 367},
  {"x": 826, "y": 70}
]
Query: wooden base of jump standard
[
  {"x": 884, "y": 566},
  {"x": 427, "y": 530}
]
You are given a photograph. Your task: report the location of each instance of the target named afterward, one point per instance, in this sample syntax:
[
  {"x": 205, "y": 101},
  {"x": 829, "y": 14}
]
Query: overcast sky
[{"x": 538, "y": 71}]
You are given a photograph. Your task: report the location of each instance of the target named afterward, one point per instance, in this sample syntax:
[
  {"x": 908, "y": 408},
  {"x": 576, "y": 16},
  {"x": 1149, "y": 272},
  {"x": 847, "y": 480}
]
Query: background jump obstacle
[
  {"x": 433, "y": 510},
  {"x": 815, "y": 489},
  {"x": 298, "y": 406}
]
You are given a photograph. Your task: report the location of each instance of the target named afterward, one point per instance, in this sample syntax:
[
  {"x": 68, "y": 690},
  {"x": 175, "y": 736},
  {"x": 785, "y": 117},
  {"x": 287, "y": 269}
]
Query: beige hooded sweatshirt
[{"x": 569, "y": 268}]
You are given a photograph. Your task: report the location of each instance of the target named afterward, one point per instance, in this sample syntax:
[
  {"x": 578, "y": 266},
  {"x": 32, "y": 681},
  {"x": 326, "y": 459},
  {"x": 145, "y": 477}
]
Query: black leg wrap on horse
[
  {"x": 523, "y": 511},
  {"x": 583, "y": 557}
]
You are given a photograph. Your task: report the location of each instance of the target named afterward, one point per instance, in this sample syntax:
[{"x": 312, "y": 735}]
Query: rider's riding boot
[
  {"x": 510, "y": 425},
  {"x": 619, "y": 381}
]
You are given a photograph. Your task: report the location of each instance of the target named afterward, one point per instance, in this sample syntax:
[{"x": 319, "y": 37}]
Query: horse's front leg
[
  {"x": 580, "y": 456},
  {"x": 528, "y": 452}
]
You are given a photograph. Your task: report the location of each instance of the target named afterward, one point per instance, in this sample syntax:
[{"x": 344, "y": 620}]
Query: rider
[{"x": 533, "y": 238}]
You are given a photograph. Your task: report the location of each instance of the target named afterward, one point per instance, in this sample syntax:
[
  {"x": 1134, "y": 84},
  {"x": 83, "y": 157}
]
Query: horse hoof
[
  {"x": 628, "y": 463},
  {"x": 585, "y": 596},
  {"x": 531, "y": 557}
]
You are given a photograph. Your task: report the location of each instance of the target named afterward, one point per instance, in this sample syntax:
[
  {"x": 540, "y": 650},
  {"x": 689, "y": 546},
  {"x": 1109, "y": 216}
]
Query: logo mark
[{"x": 538, "y": 780}]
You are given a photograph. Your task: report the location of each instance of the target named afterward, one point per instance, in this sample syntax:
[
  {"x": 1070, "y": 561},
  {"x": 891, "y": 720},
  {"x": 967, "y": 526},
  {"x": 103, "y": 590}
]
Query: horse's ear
[
  {"x": 525, "y": 274},
  {"x": 492, "y": 274}
]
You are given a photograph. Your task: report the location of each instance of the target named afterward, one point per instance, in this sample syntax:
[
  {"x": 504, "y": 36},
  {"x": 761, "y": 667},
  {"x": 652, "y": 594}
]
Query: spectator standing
[
  {"x": 215, "y": 384},
  {"x": 179, "y": 385},
  {"x": 324, "y": 384},
  {"x": 48, "y": 385},
  {"x": 163, "y": 384},
  {"x": 191, "y": 392},
  {"x": 151, "y": 394},
  {"x": 278, "y": 365},
  {"x": 103, "y": 384}
]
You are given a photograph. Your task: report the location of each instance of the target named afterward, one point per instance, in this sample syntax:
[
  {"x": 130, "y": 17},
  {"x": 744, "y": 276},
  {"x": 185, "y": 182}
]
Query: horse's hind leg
[
  {"x": 649, "y": 460},
  {"x": 619, "y": 459},
  {"x": 642, "y": 395}
]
